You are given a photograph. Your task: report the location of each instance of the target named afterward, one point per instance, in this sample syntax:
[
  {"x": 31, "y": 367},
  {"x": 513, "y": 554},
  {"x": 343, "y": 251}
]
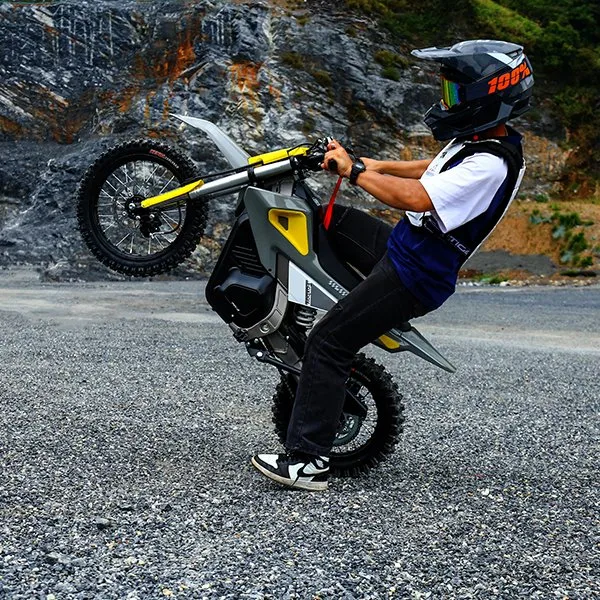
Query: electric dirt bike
[{"x": 142, "y": 210}]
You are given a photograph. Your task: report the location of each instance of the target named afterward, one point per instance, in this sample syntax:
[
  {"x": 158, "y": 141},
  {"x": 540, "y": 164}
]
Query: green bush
[
  {"x": 323, "y": 78},
  {"x": 571, "y": 243},
  {"x": 390, "y": 73},
  {"x": 292, "y": 59},
  {"x": 386, "y": 58},
  {"x": 504, "y": 23}
]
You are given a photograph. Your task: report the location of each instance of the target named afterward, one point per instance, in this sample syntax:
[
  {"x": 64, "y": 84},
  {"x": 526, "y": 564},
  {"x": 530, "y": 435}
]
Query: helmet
[{"x": 484, "y": 83}]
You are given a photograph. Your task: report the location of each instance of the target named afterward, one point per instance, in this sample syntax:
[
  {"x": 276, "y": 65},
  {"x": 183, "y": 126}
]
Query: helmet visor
[{"x": 451, "y": 92}]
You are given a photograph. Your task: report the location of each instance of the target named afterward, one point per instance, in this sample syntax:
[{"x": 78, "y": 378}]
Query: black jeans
[{"x": 375, "y": 306}]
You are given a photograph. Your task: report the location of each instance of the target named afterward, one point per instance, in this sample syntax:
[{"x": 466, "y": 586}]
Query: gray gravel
[{"x": 128, "y": 415}]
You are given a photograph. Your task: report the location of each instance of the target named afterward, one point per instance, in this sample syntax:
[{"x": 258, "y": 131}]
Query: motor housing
[{"x": 240, "y": 289}]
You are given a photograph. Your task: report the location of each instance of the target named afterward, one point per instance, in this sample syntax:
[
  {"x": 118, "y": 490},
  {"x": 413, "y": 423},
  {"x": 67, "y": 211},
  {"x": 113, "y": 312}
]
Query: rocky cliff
[{"x": 78, "y": 76}]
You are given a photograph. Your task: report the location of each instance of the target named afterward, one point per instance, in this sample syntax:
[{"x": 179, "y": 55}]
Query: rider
[{"x": 452, "y": 203}]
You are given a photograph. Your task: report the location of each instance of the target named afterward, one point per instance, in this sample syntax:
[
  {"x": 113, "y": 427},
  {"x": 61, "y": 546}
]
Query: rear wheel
[
  {"x": 117, "y": 230},
  {"x": 362, "y": 440}
]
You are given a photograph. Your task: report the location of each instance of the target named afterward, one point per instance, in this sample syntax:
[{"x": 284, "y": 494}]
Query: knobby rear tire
[
  {"x": 190, "y": 230},
  {"x": 389, "y": 417}
]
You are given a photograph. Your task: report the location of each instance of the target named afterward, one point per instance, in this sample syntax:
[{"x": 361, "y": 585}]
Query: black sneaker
[{"x": 295, "y": 469}]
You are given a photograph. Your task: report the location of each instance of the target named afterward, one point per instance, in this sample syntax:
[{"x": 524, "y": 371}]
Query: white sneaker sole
[{"x": 312, "y": 486}]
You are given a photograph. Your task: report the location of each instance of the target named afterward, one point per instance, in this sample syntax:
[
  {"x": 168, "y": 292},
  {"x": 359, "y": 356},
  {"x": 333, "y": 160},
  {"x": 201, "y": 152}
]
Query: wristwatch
[{"x": 358, "y": 167}]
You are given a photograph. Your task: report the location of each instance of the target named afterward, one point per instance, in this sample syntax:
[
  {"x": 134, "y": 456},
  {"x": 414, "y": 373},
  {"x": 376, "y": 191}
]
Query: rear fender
[{"x": 411, "y": 340}]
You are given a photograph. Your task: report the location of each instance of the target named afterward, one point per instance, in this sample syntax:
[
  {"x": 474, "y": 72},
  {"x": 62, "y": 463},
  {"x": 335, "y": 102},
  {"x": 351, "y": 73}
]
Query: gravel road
[{"x": 128, "y": 415}]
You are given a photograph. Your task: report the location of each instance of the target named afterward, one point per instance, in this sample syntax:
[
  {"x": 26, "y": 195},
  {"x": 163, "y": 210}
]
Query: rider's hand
[{"x": 337, "y": 152}]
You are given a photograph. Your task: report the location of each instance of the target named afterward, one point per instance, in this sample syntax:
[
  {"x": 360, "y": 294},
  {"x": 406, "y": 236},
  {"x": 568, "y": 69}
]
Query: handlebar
[{"x": 315, "y": 157}]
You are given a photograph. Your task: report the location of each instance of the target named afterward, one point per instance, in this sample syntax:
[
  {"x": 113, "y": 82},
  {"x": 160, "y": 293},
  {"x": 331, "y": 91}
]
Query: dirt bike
[{"x": 142, "y": 209}]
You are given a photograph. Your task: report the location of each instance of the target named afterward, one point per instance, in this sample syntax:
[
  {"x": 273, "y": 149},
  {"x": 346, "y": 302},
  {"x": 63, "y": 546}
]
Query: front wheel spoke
[
  {"x": 118, "y": 244},
  {"x": 167, "y": 217},
  {"x": 164, "y": 187},
  {"x": 135, "y": 176},
  {"x": 112, "y": 186},
  {"x": 112, "y": 206},
  {"x": 158, "y": 240},
  {"x": 151, "y": 175},
  {"x": 127, "y": 179}
]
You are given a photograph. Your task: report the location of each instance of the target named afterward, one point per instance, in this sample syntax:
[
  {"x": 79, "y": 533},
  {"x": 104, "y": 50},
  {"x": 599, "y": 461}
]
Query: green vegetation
[
  {"x": 391, "y": 63},
  {"x": 491, "y": 279},
  {"x": 292, "y": 59},
  {"x": 308, "y": 64},
  {"x": 502, "y": 22},
  {"x": 561, "y": 37},
  {"x": 568, "y": 231},
  {"x": 323, "y": 78}
]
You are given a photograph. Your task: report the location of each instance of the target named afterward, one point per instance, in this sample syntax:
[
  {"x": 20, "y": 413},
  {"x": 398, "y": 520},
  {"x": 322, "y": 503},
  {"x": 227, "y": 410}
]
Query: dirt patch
[
  {"x": 527, "y": 239},
  {"x": 518, "y": 234}
]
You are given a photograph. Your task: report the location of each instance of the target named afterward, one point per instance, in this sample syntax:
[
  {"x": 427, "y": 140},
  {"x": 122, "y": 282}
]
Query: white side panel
[{"x": 302, "y": 289}]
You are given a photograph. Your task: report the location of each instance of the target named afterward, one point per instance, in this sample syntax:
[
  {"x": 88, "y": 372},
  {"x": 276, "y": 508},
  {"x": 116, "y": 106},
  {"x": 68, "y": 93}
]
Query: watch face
[{"x": 357, "y": 168}]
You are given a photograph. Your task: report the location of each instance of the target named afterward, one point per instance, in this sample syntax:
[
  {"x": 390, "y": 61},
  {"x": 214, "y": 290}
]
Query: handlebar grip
[{"x": 332, "y": 165}]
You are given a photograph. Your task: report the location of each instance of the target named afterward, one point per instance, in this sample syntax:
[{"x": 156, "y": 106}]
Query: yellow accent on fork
[{"x": 171, "y": 195}]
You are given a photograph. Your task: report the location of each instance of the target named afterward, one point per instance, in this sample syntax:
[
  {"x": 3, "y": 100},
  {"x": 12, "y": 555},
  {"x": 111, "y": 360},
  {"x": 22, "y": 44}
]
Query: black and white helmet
[{"x": 484, "y": 83}]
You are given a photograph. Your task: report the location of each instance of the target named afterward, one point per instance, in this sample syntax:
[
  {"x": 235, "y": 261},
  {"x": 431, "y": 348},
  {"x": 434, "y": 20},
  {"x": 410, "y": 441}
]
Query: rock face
[{"x": 78, "y": 76}]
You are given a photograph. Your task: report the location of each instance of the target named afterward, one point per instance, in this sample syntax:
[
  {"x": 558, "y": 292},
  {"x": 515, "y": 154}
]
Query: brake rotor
[{"x": 348, "y": 429}]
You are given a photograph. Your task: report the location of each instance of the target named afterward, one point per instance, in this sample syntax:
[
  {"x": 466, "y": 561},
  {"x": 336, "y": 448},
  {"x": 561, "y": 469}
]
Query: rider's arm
[
  {"x": 405, "y": 193},
  {"x": 411, "y": 169},
  {"x": 398, "y": 192}
]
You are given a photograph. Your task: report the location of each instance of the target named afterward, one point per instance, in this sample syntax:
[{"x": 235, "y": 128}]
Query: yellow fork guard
[{"x": 171, "y": 195}]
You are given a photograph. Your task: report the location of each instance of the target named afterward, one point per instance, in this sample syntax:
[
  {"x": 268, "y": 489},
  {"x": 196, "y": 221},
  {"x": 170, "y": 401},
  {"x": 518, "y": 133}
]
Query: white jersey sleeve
[{"x": 463, "y": 192}]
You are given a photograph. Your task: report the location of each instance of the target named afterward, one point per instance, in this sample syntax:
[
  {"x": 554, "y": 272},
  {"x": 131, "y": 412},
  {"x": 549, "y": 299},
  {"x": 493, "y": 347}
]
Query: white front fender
[{"x": 235, "y": 156}]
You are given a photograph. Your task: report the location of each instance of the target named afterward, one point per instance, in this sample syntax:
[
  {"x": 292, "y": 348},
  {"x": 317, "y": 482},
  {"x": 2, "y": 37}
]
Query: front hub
[{"x": 149, "y": 220}]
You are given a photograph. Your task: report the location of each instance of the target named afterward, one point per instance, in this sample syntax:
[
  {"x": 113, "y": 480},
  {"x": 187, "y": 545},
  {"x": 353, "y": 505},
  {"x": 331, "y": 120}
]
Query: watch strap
[{"x": 358, "y": 167}]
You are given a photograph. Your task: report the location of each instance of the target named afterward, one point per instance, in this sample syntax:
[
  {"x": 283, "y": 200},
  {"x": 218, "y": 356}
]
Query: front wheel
[
  {"x": 118, "y": 231},
  {"x": 362, "y": 440}
]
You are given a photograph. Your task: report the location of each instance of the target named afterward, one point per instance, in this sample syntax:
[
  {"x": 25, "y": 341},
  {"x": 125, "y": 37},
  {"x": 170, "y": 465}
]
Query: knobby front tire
[{"x": 127, "y": 239}]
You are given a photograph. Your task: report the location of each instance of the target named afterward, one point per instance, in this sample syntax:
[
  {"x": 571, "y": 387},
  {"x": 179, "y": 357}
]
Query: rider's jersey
[{"x": 470, "y": 195}]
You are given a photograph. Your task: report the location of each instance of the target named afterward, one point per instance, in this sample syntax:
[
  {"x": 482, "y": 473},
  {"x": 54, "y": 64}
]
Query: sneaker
[{"x": 295, "y": 469}]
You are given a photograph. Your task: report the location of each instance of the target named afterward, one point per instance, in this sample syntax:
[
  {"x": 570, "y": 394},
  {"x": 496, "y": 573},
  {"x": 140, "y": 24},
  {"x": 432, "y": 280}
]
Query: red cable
[{"x": 329, "y": 211}]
